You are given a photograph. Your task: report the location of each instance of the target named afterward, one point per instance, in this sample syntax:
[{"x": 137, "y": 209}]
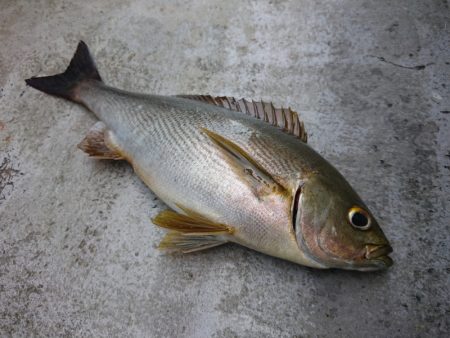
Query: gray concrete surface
[{"x": 77, "y": 247}]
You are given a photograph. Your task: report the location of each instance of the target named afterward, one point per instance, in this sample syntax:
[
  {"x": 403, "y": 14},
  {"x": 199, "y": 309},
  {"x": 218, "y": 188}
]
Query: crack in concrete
[{"x": 418, "y": 67}]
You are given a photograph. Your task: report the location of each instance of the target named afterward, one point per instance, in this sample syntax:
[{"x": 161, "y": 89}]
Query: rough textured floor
[{"x": 77, "y": 247}]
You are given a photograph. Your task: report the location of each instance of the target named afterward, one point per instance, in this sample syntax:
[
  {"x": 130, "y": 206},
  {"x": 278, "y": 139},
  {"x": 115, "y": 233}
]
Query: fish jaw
[
  {"x": 369, "y": 257},
  {"x": 350, "y": 258},
  {"x": 372, "y": 257},
  {"x": 377, "y": 254}
]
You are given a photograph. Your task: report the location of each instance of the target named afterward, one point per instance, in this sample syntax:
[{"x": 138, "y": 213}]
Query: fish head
[{"x": 335, "y": 229}]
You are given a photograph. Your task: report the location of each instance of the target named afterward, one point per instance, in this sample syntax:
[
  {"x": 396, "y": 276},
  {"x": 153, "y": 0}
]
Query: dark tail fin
[{"x": 81, "y": 68}]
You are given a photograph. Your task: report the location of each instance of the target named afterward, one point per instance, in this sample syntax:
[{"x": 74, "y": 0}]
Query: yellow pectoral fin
[
  {"x": 256, "y": 177},
  {"x": 190, "y": 233}
]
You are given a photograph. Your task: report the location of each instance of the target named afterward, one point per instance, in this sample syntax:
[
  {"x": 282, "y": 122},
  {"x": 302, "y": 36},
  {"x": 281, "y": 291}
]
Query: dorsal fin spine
[
  {"x": 255, "y": 110},
  {"x": 228, "y": 102},
  {"x": 274, "y": 115},
  {"x": 283, "y": 113},
  {"x": 291, "y": 129},
  {"x": 238, "y": 106},
  {"x": 246, "y": 107},
  {"x": 266, "y": 116}
]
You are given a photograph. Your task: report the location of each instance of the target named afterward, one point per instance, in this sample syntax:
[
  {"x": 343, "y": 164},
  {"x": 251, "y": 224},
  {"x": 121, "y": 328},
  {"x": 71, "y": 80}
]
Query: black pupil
[{"x": 359, "y": 220}]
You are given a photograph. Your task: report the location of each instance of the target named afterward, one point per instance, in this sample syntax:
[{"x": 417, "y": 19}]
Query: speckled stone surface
[{"x": 77, "y": 246}]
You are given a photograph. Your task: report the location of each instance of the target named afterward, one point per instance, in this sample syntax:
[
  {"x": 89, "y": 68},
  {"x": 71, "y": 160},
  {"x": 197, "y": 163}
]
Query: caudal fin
[{"x": 81, "y": 68}]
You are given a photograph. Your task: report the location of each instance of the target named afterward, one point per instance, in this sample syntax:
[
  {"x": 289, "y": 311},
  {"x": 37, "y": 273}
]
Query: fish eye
[{"x": 359, "y": 218}]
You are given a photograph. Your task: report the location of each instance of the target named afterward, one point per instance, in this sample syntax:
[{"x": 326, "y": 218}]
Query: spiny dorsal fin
[{"x": 284, "y": 118}]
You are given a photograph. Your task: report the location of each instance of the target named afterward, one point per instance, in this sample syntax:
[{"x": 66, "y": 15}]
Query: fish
[{"x": 229, "y": 170}]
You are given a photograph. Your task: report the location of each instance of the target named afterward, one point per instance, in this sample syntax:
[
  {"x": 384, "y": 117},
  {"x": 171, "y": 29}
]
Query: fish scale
[
  {"x": 180, "y": 135},
  {"x": 231, "y": 170}
]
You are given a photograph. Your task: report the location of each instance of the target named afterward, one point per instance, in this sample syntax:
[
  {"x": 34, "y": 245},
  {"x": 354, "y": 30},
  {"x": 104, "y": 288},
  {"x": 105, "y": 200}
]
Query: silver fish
[{"x": 230, "y": 170}]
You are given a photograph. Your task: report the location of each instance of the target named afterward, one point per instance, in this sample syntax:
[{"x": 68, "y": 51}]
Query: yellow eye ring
[{"x": 359, "y": 218}]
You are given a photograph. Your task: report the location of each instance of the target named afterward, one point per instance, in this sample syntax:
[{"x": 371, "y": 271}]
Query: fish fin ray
[
  {"x": 98, "y": 145},
  {"x": 259, "y": 180},
  {"x": 81, "y": 68},
  {"x": 192, "y": 224},
  {"x": 283, "y": 118},
  {"x": 191, "y": 232},
  {"x": 178, "y": 242}
]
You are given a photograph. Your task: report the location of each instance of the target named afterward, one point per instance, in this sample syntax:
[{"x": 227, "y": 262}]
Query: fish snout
[{"x": 379, "y": 252}]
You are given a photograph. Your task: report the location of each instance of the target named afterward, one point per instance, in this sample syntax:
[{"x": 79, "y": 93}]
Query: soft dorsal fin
[{"x": 284, "y": 118}]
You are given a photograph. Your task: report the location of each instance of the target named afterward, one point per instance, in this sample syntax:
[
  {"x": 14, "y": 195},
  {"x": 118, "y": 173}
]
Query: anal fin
[
  {"x": 97, "y": 144},
  {"x": 189, "y": 233}
]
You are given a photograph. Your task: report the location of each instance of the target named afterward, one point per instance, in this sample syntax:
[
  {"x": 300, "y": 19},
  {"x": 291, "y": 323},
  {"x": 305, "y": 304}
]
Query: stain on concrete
[{"x": 8, "y": 173}]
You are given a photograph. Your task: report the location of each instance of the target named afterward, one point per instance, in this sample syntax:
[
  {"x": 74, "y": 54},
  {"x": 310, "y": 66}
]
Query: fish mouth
[{"x": 378, "y": 254}]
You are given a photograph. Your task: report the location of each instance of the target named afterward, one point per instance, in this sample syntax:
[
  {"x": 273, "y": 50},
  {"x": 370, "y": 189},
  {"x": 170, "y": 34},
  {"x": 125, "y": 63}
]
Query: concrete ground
[{"x": 77, "y": 247}]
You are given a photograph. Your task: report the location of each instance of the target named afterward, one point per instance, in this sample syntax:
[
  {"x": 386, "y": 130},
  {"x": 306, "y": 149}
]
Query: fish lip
[
  {"x": 378, "y": 254},
  {"x": 377, "y": 250}
]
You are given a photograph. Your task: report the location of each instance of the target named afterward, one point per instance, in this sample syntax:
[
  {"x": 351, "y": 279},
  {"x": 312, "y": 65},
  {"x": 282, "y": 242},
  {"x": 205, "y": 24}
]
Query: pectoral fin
[
  {"x": 98, "y": 143},
  {"x": 189, "y": 233},
  {"x": 258, "y": 179}
]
